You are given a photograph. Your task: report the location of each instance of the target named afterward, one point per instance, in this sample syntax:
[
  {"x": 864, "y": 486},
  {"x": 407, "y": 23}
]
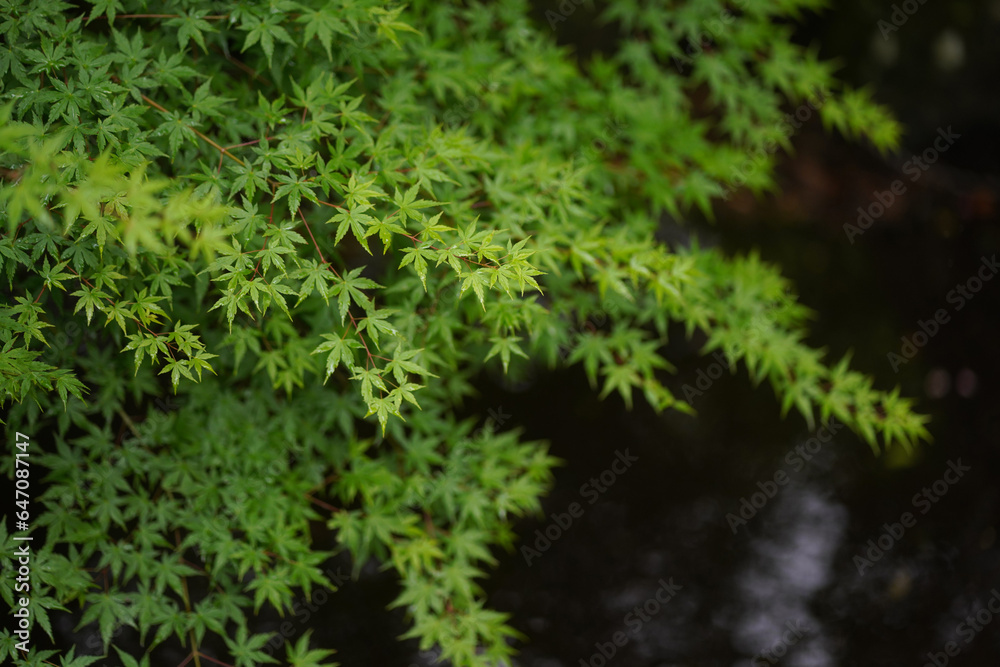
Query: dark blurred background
[
  {"x": 788, "y": 588},
  {"x": 794, "y": 561},
  {"x": 812, "y": 577}
]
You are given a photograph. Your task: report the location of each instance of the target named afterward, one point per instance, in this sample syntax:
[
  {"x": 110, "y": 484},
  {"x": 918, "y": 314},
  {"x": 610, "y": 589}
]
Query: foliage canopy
[{"x": 315, "y": 224}]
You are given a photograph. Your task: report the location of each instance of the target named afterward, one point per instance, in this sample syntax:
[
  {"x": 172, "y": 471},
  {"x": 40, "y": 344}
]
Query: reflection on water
[
  {"x": 784, "y": 589},
  {"x": 784, "y": 569}
]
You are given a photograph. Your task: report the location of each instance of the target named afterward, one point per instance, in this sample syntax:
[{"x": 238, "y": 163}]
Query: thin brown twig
[
  {"x": 212, "y": 17},
  {"x": 205, "y": 137},
  {"x": 326, "y": 506},
  {"x": 211, "y": 659}
]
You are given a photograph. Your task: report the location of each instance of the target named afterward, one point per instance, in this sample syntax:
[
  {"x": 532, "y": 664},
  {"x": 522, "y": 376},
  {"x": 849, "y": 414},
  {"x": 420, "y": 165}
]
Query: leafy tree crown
[{"x": 311, "y": 226}]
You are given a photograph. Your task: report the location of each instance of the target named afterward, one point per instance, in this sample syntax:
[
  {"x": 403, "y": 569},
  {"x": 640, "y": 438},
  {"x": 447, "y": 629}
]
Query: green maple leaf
[
  {"x": 341, "y": 351},
  {"x": 246, "y": 648},
  {"x": 266, "y": 32},
  {"x": 505, "y": 346}
]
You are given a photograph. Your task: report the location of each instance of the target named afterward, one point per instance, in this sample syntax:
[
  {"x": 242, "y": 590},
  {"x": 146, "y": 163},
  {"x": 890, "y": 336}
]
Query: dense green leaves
[{"x": 344, "y": 212}]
